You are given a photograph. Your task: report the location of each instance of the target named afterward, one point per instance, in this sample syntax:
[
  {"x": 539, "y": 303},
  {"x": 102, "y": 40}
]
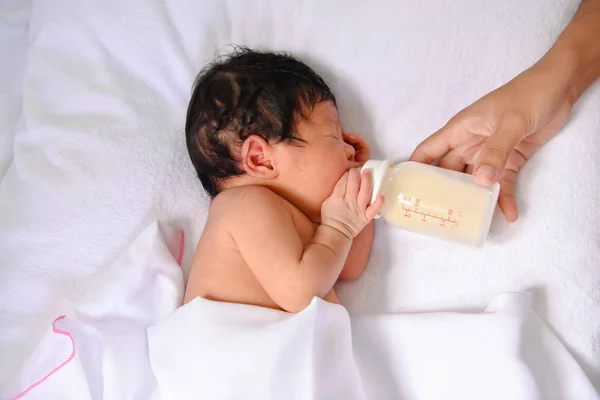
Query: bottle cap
[{"x": 378, "y": 170}]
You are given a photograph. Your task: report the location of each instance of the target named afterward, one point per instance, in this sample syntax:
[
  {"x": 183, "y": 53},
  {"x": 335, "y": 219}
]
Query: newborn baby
[{"x": 290, "y": 213}]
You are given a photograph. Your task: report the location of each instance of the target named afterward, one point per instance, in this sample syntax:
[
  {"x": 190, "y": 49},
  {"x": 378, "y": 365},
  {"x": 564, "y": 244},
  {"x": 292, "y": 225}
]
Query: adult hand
[{"x": 497, "y": 134}]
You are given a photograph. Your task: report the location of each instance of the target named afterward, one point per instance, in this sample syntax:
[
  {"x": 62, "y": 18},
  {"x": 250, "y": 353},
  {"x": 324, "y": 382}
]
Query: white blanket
[
  {"x": 100, "y": 150},
  {"x": 117, "y": 344}
]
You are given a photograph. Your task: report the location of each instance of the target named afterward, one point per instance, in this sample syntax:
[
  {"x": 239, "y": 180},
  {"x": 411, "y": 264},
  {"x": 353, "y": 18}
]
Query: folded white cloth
[
  {"x": 128, "y": 340},
  {"x": 217, "y": 350},
  {"x": 99, "y": 351}
]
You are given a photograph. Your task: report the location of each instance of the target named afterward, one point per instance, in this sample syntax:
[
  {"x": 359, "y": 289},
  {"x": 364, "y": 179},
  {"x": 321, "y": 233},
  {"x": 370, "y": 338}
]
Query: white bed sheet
[
  {"x": 101, "y": 151},
  {"x": 14, "y": 27}
]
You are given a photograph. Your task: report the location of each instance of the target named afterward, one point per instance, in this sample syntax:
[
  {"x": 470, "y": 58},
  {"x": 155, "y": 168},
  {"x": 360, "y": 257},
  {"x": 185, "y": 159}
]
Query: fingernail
[
  {"x": 512, "y": 216},
  {"x": 486, "y": 174}
]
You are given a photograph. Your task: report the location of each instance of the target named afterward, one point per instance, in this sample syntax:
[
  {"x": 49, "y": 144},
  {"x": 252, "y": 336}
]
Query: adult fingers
[
  {"x": 506, "y": 199},
  {"x": 453, "y": 161},
  {"x": 436, "y": 145},
  {"x": 493, "y": 156}
]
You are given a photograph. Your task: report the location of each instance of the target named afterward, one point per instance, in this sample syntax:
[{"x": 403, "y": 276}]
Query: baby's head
[{"x": 264, "y": 118}]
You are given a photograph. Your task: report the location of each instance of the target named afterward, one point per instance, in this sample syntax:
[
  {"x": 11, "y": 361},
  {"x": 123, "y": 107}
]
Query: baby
[{"x": 290, "y": 213}]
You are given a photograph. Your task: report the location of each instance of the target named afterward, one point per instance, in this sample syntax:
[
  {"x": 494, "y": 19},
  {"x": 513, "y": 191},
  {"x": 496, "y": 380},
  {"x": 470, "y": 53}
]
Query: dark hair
[{"x": 246, "y": 93}]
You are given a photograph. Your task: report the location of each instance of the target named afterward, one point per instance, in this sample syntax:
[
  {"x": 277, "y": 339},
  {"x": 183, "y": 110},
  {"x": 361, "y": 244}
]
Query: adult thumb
[{"x": 492, "y": 159}]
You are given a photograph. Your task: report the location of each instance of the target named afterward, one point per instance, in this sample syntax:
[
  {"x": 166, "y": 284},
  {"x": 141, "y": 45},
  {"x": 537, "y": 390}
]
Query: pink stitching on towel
[
  {"x": 181, "y": 245},
  {"x": 68, "y": 360}
]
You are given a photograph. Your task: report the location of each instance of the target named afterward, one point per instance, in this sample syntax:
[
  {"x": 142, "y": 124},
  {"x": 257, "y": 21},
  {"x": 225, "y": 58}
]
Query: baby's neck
[{"x": 299, "y": 203}]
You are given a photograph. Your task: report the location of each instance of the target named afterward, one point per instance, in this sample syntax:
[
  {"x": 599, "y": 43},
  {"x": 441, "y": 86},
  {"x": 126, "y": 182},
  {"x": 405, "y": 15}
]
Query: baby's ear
[{"x": 257, "y": 158}]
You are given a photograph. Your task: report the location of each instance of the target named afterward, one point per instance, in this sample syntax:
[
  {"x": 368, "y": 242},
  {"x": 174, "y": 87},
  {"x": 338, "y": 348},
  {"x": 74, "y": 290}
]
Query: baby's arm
[
  {"x": 292, "y": 275},
  {"x": 271, "y": 246},
  {"x": 358, "y": 257},
  {"x": 361, "y": 247}
]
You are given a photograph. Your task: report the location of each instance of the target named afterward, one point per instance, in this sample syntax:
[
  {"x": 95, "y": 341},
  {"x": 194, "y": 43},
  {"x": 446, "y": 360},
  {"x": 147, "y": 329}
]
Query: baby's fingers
[
  {"x": 366, "y": 189},
  {"x": 340, "y": 187},
  {"x": 354, "y": 184},
  {"x": 374, "y": 208}
]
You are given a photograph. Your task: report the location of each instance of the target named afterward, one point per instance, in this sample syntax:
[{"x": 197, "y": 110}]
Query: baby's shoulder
[{"x": 256, "y": 211}]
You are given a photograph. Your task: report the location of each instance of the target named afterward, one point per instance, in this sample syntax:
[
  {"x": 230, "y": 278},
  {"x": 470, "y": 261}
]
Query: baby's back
[{"x": 218, "y": 271}]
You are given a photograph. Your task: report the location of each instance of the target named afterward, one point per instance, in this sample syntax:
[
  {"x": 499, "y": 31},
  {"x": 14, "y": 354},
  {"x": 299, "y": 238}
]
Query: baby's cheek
[{"x": 328, "y": 175}]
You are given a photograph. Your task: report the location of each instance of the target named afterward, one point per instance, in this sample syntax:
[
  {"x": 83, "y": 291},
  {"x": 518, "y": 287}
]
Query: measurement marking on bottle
[{"x": 426, "y": 215}]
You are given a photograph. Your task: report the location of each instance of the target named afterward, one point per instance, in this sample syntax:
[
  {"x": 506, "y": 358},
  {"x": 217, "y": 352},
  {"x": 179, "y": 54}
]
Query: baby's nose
[{"x": 350, "y": 152}]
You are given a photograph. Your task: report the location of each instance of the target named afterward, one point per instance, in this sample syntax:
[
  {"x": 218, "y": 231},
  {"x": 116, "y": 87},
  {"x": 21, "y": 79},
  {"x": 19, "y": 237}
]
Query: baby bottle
[{"x": 434, "y": 201}]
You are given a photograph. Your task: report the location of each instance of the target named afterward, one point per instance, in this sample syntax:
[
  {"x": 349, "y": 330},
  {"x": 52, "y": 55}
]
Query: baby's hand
[
  {"x": 362, "y": 150},
  {"x": 348, "y": 209}
]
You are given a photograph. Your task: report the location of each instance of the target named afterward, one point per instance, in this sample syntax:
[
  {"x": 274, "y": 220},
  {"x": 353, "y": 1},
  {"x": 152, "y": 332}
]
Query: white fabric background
[
  {"x": 14, "y": 25},
  {"x": 100, "y": 151}
]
